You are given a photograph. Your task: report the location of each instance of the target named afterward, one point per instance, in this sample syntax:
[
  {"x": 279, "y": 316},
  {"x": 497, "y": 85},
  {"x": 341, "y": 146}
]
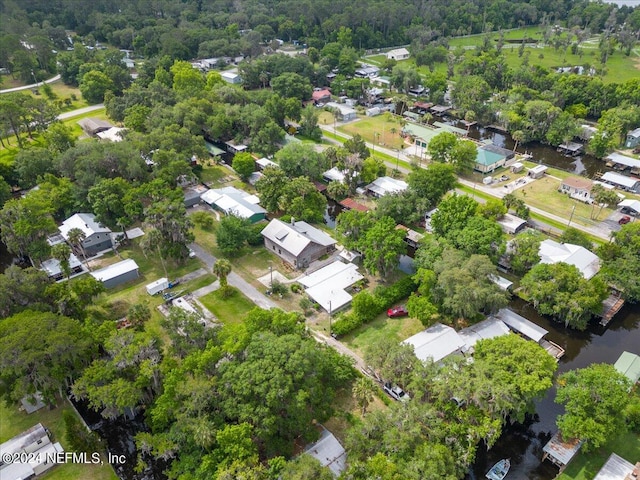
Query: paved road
[
  {"x": 80, "y": 111},
  {"x": 234, "y": 279},
  {"x": 601, "y": 233},
  {"x": 33, "y": 85}
]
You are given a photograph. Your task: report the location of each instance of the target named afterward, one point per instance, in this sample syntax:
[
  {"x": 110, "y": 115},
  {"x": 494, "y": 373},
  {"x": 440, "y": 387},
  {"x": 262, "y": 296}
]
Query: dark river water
[{"x": 523, "y": 443}]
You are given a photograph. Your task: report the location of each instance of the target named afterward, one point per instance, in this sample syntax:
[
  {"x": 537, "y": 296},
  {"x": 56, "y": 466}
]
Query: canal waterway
[{"x": 523, "y": 443}]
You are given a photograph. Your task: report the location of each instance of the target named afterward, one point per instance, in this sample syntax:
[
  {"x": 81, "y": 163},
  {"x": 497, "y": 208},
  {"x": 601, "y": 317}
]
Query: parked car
[
  {"x": 628, "y": 211},
  {"x": 396, "y": 392},
  {"x": 192, "y": 254},
  {"x": 624, "y": 220},
  {"x": 397, "y": 311}
]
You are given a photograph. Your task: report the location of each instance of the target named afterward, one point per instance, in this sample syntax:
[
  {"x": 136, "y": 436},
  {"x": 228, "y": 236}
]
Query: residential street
[
  {"x": 33, "y": 85},
  {"x": 594, "y": 230},
  {"x": 80, "y": 111},
  {"x": 234, "y": 279}
]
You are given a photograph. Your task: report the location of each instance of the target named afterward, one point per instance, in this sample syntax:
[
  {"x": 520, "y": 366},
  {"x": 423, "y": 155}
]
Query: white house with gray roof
[
  {"x": 297, "y": 243},
  {"x": 97, "y": 237}
]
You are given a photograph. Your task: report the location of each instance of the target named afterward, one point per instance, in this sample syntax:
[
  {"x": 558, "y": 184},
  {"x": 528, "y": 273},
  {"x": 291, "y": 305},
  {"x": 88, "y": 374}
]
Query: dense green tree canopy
[
  {"x": 594, "y": 398},
  {"x": 42, "y": 352}
]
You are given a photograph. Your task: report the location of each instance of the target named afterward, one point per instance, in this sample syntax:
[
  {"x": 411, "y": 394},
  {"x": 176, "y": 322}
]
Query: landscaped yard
[
  {"x": 13, "y": 422},
  {"x": 379, "y": 328},
  {"x": 231, "y": 310},
  {"x": 586, "y": 465}
]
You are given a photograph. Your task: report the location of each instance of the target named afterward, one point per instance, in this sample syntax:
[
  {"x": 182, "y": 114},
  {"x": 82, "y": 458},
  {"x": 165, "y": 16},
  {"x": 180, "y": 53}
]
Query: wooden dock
[{"x": 610, "y": 307}]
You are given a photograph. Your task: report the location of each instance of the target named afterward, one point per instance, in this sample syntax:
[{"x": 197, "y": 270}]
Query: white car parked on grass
[{"x": 396, "y": 392}]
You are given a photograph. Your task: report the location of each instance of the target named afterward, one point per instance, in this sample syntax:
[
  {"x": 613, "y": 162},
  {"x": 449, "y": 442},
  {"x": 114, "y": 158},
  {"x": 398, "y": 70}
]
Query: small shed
[
  {"x": 157, "y": 286},
  {"x": 628, "y": 364},
  {"x": 93, "y": 126},
  {"x": 517, "y": 167},
  {"x": 537, "y": 172},
  {"x": 263, "y": 163},
  {"x": 398, "y": 54},
  {"x": 351, "y": 204},
  {"x": 504, "y": 283},
  {"x": 231, "y": 77},
  {"x": 511, "y": 224},
  {"x": 117, "y": 274},
  {"x": 560, "y": 451},
  {"x": 372, "y": 112},
  {"x": 345, "y": 113}
]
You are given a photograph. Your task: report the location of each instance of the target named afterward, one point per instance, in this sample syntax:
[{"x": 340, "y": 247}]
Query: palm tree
[
  {"x": 518, "y": 136},
  {"x": 152, "y": 240},
  {"x": 61, "y": 252},
  {"x": 363, "y": 393},
  {"x": 76, "y": 238},
  {"x": 221, "y": 269}
]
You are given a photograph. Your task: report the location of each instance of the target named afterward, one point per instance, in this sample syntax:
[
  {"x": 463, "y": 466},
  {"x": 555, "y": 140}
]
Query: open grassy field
[
  {"x": 231, "y": 310},
  {"x": 379, "y": 130},
  {"x": 13, "y": 421},
  {"x": 586, "y": 465},
  {"x": 379, "y": 328}
]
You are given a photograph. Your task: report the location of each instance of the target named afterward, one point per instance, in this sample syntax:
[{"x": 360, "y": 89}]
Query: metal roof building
[
  {"x": 616, "y": 468},
  {"x": 511, "y": 224},
  {"x": 553, "y": 252},
  {"x": 622, "y": 181},
  {"x": 560, "y": 451},
  {"x": 328, "y": 285},
  {"x": 628, "y": 364},
  {"x": 234, "y": 201},
  {"x": 328, "y": 451},
  {"x": 521, "y": 324},
  {"x": 436, "y": 343},
  {"x": 490, "y": 328},
  {"x": 117, "y": 274},
  {"x": 631, "y": 205},
  {"x": 384, "y": 185}
]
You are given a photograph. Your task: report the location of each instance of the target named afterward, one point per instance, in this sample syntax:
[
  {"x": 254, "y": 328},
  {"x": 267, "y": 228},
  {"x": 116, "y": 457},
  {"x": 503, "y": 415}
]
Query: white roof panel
[
  {"x": 115, "y": 270},
  {"x": 436, "y": 342},
  {"x": 618, "y": 179},
  {"x": 84, "y": 221},
  {"x": 623, "y": 160},
  {"x": 616, "y": 468},
  {"x": 489, "y": 328},
  {"x": 327, "y": 285},
  {"x": 633, "y": 204},
  {"x": 553, "y": 252},
  {"x": 520, "y": 324},
  {"x": 328, "y": 451}
]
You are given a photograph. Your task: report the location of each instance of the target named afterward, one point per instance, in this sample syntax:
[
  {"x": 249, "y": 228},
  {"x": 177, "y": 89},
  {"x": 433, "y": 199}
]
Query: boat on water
[{"x": 499, "y": 470}]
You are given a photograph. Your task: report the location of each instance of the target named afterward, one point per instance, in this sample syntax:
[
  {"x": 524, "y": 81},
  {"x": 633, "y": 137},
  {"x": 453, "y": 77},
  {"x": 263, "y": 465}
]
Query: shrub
[
  {"x": 254, "y": 237},
  {"x": 365, "y": 306},
  {"x": 306, "y": 305},
  {"x": 344, "y": 324},
  {"x": 80, "y": 439},
  {"x": 387, "y": 296},
  {"x": 296, "y": 288},
  {"x": 279, "y": 288},
  {"x": 203, "y": 219}
]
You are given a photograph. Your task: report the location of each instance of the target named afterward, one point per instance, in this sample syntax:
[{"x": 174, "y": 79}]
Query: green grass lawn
[
  {"x": 214, "y": 173},
  {"x": 379, "y": 328},
  {"x": 230, "y": 311},
  {"x": 586, "y": 465},
  {"x": 378, "y": 130},
  {"x": 13, "y": 422}
]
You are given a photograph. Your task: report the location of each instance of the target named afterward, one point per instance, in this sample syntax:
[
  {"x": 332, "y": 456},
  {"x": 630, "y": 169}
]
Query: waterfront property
[
  {"x": 578, "y": 188},
  {"x": 529, "y": 330},
  {"x": 553, "y": 252},
  {"x": 491, "y": 157},
  {"x": 622, "y": 162},
  {"x": 623, "y": 182},
  {"x": 561, "y": 451},
  {"x": 489, "y": 328},
  {"x": 436, "y": 342},
  {"x": 96, "y": 236},
  {"x": 297, "y": 243},
  {"x": 633, "y": 139},
  {"x": 628, "y": 364},
  {"x": 382, "y": 186}
]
